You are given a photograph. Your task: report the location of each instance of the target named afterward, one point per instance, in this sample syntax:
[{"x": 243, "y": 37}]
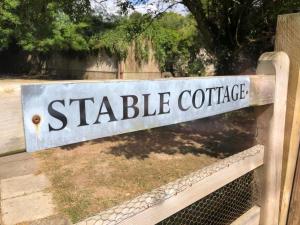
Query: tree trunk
[{"x": 197, "y": 10}]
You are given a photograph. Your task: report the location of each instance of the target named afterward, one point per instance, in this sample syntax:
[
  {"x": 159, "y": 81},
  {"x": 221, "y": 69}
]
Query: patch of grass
[
  {"x": 94, "y": 180},
  {"x": 87, "y": 185}
]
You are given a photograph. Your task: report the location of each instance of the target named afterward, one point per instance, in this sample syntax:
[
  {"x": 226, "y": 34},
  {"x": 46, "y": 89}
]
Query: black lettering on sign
[
  {"x": 209, "y": 95},
  {"x": 187, "y": 99},
  {"x": 146, "y": 106},
  {"x": 82, "y": 109},
  {"x": 226, "y": 95},
  {"x": 163, "y": 102},
  {"x": 219, "y": 94},
  {"x": 180, "y": 104},
  {"x": 108, "y": 111},
  {"x": 234, "y": 95},
  {"x": 57, "y": 115},
  {"x": 133, "y": 106},
  {"x": 195, "y": 99},
  {"x": 242, "y": 91}
]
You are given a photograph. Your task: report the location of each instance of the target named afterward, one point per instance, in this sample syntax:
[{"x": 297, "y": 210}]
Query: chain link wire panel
[{"x": 221, "y": 207}]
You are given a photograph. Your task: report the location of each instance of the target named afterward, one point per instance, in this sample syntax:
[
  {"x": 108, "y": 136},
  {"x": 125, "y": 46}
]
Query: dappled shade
[{"x": 219, "y": 136}]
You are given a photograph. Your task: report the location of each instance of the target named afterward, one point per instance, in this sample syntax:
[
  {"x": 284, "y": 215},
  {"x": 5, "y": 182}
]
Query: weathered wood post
[
  {"x": 294, "y": 209},
  {"x": 288, "y": 40},
  {"x": 270, "y": 130},
  {"x": 121, "y": 68}
]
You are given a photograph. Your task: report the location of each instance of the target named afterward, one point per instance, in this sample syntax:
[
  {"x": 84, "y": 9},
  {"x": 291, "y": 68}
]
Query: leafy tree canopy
[
  {"x": 44, "y": 25},
  {"x": 229, "y": 29},
  {"x": 9, "y": 20},
  {"x": 173, "y": 37},
  {"x": 232, "y": 28}
]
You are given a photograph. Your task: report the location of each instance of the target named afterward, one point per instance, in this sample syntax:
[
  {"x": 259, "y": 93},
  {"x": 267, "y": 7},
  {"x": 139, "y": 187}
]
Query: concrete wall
[
  {"x": 101, "y": 66},
  {"x": 141, "y": 70},
  {"x": 93, "y": 66},
  {"x": 96, "y": 66}
]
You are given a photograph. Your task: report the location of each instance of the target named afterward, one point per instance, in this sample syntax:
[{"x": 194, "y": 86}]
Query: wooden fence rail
[
  {"x": 267, "y": 92},
  {"x": 12, "y": 131}
]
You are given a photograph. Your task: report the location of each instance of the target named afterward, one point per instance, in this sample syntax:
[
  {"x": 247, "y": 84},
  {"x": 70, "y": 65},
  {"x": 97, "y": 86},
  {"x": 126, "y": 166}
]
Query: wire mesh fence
[
  {"x": 221, "y": 207},
  {"x": 218, "y": 208}
]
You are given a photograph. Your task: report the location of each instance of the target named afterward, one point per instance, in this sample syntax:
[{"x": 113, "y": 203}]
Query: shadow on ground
[{"x": 218, "y": 136}]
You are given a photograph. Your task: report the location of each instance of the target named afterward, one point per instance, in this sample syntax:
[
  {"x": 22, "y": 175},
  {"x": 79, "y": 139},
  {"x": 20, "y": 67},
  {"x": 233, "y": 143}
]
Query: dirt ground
[{"x": 93, "y": 176}]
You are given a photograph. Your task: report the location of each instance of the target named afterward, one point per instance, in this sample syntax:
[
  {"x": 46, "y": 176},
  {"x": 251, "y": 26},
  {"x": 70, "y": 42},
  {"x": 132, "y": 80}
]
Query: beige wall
[
  {"x": 101, "y": 66},
  {"x": 142, "y": 75},
  {"x": 86, "y": 66},
  {"x": 142, "y": 70},
  {"x": 97, "y": 66}
]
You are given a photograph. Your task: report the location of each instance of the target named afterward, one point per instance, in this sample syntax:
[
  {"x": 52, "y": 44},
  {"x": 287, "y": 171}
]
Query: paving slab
[
  {"x": 23, "y": 185},
  {"x": 27, "y": 208},
  {"x": 17, "y": 165}
]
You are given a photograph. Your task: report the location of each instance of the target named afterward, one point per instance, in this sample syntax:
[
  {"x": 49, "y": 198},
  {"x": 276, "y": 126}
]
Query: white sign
[{"x": 61, "y": 114}]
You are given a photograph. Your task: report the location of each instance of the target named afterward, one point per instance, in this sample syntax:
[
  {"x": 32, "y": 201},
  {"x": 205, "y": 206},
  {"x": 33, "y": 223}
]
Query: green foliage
[
  {"x": 175, "y": 41},
  {"x": 173, "y": 37},
  {"x": 234, "y": 30},
  {"x": 46, "y": 27},
  {"x": 9, "y": 20},
  {"x": 142, "y": 48},
  {"x": 231, "y": 30},
  {"x": 117, "y": 39},
  {"x": 114, "y": 40},
  {"x": 42, "y": 26}
]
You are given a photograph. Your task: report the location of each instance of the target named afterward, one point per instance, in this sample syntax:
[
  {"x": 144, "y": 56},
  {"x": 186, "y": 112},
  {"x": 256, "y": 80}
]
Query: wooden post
[
  {"x": 294, "y": 209},
  {"x": 288, "y": 40},
  {"x": 270, "y": 130},
  {"x": 121, "y": 67},
  {"x": 251, "y": 217}
]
